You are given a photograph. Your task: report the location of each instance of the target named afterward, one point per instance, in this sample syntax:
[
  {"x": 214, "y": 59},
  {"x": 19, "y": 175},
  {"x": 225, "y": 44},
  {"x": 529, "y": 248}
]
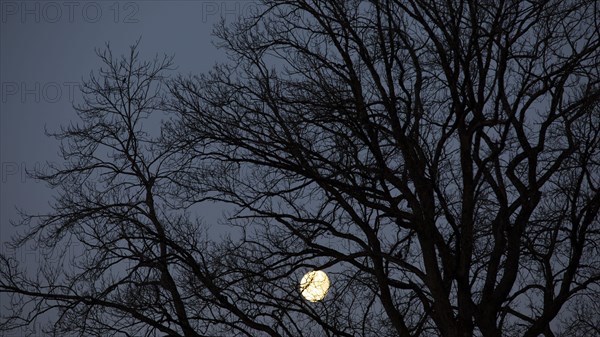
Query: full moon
[{"x": 314, "y": 285}]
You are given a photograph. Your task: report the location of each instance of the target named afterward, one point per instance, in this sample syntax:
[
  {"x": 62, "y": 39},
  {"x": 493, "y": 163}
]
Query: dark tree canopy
[{"x": 440, "y": 160}]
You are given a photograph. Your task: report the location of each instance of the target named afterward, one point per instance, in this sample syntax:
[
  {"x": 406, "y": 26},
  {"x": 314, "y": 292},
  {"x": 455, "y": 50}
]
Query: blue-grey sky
[{"x": 47, "y": 47}]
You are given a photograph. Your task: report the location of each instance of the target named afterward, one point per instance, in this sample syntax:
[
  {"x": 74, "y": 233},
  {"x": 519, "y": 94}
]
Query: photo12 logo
[
  {"x": 225, "y": 9},
  {"x": 19, "y": 172},
  {"x": 69, "y": 11},
  {"x": 46, "y": 92}
]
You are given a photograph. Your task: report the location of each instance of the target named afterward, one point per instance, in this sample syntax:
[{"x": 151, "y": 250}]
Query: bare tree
[
  {"x": 440, "y": 160},
  {"x": 448, "y": 151},
  {"x": 584, "y": 317}
]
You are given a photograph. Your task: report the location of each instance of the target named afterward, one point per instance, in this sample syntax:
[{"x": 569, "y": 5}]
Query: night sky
[{"x": 48, "y": 49}]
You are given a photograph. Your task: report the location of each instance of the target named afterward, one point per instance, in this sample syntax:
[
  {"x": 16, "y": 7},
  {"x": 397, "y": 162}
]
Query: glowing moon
[{"x": 314, "y": 285}]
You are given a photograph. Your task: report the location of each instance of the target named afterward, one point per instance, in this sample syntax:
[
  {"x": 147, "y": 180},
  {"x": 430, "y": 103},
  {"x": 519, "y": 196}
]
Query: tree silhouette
[{"x": 439, "y": 160}]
